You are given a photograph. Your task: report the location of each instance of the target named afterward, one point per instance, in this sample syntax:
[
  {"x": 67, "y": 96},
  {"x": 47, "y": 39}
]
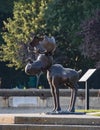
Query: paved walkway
[
  {"x": 21, "y": 110},
  {"x": 7, "y": 114}
]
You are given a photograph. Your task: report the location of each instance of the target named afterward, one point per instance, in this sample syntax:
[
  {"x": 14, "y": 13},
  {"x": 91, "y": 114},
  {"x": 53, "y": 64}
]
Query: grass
[
  {"x": 93, "y": 112},
  {"x": 89, "y": 111},
  {"x": 97, "y": 114}
]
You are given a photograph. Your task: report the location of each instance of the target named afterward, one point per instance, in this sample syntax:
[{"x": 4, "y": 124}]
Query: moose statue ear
[{"x": 45, "y": 37}]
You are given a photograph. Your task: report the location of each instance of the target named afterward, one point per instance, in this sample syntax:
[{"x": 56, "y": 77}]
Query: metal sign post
[
  {"x": 86, "y": 96},
  {"x": 85, "y": 78}
]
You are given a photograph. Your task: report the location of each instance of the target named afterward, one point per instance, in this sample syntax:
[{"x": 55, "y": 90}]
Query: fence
[{"x": 43, "y": 97}]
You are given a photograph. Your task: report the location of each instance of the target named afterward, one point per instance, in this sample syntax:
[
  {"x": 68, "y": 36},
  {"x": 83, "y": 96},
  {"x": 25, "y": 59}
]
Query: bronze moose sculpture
[{"x": 56, "y": 73}]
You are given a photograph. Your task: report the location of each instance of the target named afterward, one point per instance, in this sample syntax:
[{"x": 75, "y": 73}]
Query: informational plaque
[
  {"x": 84, "y": 78},
  {"x": 87, "y": 75}
]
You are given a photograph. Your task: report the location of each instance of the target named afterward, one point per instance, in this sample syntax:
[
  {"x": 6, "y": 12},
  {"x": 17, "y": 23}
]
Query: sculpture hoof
[
  {"x": 71, "y": 110},
  {"x": 54, "y": 112}
]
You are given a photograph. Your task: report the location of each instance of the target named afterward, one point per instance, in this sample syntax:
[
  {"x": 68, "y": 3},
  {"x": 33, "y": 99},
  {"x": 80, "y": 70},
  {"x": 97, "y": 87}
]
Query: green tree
[
  {"x": 62, "y": 19},
  {"x": 18, "y": 29},
  {"x": 5, "y": 11},
  {"x": 52, "y": 17},
  {"x": 63, "y": 22},
  {"x": 91, "y": 38}
]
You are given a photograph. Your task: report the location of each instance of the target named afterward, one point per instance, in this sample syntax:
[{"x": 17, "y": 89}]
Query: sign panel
[{"x": 87, "y": 75}]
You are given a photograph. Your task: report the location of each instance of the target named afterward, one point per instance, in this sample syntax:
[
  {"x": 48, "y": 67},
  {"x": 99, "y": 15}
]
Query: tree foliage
[
  {"x": 91, "y": 37},
  {"x": 17, "y": 32},
  {"x": 63, "y": 23},
  {"x": 52, "y": 17}
]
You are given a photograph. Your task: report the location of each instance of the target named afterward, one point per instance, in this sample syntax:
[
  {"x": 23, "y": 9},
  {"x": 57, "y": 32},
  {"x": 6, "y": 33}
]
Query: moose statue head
[{"x": 44, "y": 47}]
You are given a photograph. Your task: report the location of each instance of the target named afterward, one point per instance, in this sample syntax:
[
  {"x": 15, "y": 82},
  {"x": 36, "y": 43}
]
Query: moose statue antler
[
  {"x": 56, "y": 73},
  {"x": 43, "y": 45}
]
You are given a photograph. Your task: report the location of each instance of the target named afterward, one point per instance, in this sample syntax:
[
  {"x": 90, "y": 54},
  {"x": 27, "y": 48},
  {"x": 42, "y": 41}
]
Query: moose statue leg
[
  {"x": 54, "y": 97},
  {"x": 73, "y": 98},
  {"x": 55, "y": 84},
  {"x": 55, "y": 93}
]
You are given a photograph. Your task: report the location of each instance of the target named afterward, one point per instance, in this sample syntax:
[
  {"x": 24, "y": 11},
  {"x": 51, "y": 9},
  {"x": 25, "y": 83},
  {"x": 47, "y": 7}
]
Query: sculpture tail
[
  {"x": 79, "y": 72},
  {"x": 53, "y": 39}
]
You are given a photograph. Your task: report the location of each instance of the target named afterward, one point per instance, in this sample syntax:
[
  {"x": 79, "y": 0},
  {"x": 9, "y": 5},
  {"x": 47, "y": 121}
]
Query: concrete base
[
  {"x": 47, "y": 127},
  {"x": 58, "y": 119},
  {"x": 65, "y": 113},
  {"x": 43, "y": 122}
]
